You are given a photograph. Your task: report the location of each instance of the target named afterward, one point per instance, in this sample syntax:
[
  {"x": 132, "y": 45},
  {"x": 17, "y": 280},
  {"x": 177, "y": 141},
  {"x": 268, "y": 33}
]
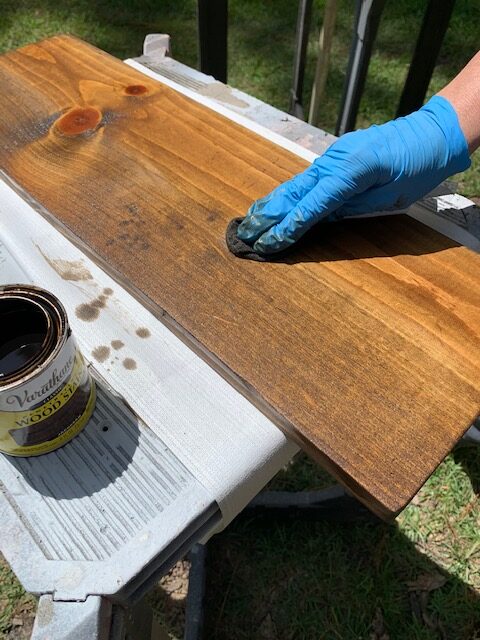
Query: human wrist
[
  {"x": 470, "y": 128},
  {"x": 463, "y": 93},
  {"x": 443, "y": 113}
]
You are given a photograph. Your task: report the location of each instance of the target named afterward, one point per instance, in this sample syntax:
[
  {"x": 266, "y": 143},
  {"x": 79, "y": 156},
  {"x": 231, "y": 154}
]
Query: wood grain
[{"x": 364, "y": 345}]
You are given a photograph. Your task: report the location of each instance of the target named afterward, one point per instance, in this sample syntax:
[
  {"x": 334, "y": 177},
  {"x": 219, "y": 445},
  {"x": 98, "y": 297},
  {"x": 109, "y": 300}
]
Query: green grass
[
  {"x": 306, "y": 580},
  {"x": 15, "y": 605},
  {"x": 286, "y": 579}
]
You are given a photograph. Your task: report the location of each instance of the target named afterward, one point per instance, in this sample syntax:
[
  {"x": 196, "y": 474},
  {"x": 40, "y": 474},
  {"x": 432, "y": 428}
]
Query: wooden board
[{"x": 364, "y": 345}]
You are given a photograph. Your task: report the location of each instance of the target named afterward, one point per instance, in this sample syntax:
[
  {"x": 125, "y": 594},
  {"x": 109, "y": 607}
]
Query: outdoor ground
[{"x": 418, "y": 579}]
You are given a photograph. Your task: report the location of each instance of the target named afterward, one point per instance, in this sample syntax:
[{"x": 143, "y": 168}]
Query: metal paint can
[{"x": 47, "y": 393}]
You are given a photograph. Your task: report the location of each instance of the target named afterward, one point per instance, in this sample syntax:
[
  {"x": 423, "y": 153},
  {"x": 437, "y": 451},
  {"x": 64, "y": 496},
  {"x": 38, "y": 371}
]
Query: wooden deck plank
[{"x": 364, "y": 345}]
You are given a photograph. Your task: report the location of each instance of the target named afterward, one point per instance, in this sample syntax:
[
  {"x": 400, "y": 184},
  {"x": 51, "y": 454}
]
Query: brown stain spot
[
  {"x": 223, "y": 93},
  {"x": 101, "y": 353},
  {"x": 130, "y": 364},
  {"x": 133, "y": 208},
  {"x": 135, "y": 89},
  {"x": 99, "y": 302},
  {"x": 143, "y": 332},
  {"x": 135, "y": 241},
  {"x": 73, "y": 270},
  {"x": 107, "y": 291},
  {"x": 89, "y": 311},
  {"x": 79, "y": 120},
  {"x": 117, "y": 344}
]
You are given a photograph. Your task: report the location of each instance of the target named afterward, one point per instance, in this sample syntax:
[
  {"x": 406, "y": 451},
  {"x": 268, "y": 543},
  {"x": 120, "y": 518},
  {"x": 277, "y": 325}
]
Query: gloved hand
[{"x": 383, "y": 167}]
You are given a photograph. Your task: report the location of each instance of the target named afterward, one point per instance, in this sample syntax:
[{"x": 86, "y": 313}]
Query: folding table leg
[
  {"x": 137, "y": 623},
  {"x": 212, "y": 37},
  {"x": 301, "y": 41},
  {"x": 434, "y": 26},
  {"x": 332, "y": 503},
  {"x": 89, "y": 620},
  {"x": 367, "y": 20},
  {"x": 95, "y": 619},
  {"x": 194, "y": 614}
]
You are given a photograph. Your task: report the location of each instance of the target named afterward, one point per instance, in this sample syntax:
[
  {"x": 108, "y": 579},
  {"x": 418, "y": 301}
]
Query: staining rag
[{"x": 241, "y": 249}]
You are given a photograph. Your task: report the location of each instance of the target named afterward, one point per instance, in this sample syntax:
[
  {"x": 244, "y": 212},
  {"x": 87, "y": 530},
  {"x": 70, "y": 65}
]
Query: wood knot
[
  {"x": 135, "y": 89},
  {"x": 78, "y": 121}
]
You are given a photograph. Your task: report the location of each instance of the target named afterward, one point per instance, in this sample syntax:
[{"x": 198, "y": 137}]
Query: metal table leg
[
  {"x": 89, "y": 620},
  {"x": 194, "y": 614},
  {"x": 367, "y": 20},
  {"x": 94, "y": 619},
  {"x": 325, "y": 42},
  {"x": 301, "y": 41},
  {"x": 332, "y": 503},
  {"x": 212, "y": 37},
  {"x": 434, "y": 26}
]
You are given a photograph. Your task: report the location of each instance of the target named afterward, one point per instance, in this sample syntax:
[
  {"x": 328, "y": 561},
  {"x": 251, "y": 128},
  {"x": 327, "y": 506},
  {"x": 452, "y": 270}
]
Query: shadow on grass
[
  {"x": 283, "y": 579},
  {"x": 320, "y": 580},
  {"x": 469, "y": 458},
  {"x": 280, "y": 580}
]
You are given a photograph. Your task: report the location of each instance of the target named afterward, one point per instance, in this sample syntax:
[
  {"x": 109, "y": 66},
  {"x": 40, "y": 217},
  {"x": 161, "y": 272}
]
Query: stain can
[{"x": 47, "y": 393}]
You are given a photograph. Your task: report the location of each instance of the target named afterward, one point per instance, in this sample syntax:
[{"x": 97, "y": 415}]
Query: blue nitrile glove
[{"x": 381, "y": 168}]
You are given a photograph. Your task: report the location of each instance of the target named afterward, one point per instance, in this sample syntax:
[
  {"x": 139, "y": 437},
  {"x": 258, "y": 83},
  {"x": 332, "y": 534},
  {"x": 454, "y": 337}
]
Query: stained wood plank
[{"x": 364, "y": 345}]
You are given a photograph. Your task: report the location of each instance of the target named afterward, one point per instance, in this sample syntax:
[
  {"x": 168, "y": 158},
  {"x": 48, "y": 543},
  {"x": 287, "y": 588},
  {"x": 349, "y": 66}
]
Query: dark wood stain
[
  {"x": 142, "y": 332},
  {"x": 363, "y": 345},
  {"x": 117, "y": 344}
]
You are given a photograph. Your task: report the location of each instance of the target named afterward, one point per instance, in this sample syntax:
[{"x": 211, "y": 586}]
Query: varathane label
[{"x": 44, "y": 410}]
